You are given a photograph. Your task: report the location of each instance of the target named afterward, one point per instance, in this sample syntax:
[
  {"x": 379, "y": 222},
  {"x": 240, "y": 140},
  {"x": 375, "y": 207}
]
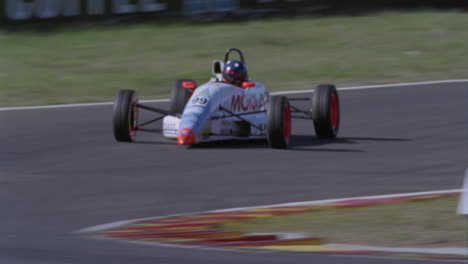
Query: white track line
[
  {"x": 380, "y": 86},
  {"x": 457, "y": 251},
  {"x": 71, "y": 105},
  {"x": 343, "y": 199}
]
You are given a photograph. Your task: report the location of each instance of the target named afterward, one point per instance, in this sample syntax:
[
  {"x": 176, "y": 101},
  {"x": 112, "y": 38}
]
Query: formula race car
[{"x": 224, "y": 110}]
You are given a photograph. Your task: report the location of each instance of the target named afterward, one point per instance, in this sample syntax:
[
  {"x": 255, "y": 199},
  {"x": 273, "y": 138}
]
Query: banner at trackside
[
  {"x": 36, "y": 10},
  {"x": 17, "y": 11},
  {"x": 20, "y": 11}
]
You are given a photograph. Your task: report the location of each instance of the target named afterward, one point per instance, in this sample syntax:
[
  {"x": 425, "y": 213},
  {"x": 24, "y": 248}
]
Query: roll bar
[{"x": 229, "y": 51}]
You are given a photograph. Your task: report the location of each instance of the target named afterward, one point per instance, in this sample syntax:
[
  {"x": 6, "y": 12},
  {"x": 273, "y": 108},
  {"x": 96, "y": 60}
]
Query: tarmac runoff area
[{"x": 203, "y": 229}]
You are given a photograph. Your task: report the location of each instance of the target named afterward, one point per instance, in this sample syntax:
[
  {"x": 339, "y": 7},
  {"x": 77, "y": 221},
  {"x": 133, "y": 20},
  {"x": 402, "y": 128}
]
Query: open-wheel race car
[{"x": 229, "y": 106}]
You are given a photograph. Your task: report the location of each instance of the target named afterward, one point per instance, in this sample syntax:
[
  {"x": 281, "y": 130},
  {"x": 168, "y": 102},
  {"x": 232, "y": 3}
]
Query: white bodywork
[
  {"x": 171, "y": 126},
  {"x": 203, "y": 114}
]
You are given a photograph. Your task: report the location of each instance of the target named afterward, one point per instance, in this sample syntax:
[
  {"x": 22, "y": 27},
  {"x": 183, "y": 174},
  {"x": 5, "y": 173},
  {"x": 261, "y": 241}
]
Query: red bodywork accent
[
  {"x": 189, "y": 85},
  {"x": 286, "y": 122},
  {"x": 334, "y": 111},
  {"x": 247, "y": 84},
  {"x": 133, "y": 118},
  {"x": 186, "y": 137}
]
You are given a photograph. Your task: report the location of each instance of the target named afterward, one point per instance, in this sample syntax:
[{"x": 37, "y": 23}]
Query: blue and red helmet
[{"x": 234, "y": 72}]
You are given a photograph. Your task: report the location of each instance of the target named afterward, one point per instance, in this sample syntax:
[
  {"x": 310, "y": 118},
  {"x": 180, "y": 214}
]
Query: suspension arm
[
  {"x": 221, "y": 108},
  {"x": 299, "y": 99},
  {"x": 235, "y": 115},
  {"x": 154, "y": 109},
  {"x": 149, "y": 122},
  {"x": 301, "y": 114}
]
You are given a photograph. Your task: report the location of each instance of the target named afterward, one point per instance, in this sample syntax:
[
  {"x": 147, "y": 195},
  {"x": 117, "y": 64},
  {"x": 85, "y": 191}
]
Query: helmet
[{"x": 234, "y": 72}]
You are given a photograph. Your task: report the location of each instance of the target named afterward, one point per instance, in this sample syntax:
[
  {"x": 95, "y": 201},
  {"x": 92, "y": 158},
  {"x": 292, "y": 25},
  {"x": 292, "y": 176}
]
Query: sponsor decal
[
  {"x": 17, "y": 10},
  {"x": 249, "y": 102}
]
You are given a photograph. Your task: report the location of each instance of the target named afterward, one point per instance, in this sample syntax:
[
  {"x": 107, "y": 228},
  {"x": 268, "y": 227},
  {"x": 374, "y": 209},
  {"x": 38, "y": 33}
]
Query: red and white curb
[{"x": 205, "y": 230}]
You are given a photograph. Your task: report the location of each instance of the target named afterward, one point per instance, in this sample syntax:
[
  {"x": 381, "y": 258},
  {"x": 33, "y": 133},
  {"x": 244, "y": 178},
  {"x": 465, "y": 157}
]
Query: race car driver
[{"x": 234, "y": 72}]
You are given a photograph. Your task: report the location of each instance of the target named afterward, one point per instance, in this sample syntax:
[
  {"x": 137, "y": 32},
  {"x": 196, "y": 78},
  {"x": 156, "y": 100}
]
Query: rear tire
[
  {"x": 278, "y": 122},
  {"x": 125, "y": 116},
  {"x": 180, "y": 96},
  {"x": 326, "y": 111}
]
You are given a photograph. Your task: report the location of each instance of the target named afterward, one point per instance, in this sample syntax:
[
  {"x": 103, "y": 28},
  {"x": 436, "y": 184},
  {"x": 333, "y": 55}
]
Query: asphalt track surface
[{"x": 61, "y": 170}]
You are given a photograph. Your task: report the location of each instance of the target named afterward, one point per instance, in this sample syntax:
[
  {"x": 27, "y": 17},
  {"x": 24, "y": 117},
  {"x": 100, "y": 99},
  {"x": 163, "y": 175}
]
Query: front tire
[
  {"x": 125, "y": 116},
  {"x": 278, "y": 122},
  {"x": 180, "y": 96},
  {"x": 326, "y": 111}
]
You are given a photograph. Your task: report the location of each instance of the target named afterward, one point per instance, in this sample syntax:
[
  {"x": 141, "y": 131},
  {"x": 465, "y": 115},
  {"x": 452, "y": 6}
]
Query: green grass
[
  {"x": 92, "y": 63},
  {"x": 428, "y": 223}
]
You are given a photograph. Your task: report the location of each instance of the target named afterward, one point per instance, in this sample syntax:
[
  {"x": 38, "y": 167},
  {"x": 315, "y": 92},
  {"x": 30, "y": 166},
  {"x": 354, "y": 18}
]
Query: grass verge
[
  {"x": 91, "y": 63},
  {"x": 425, "y": 223}
]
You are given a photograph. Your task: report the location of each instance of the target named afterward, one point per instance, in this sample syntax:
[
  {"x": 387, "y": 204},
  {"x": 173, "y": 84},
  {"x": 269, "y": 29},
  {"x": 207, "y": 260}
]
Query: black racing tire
[
  {"x": 180, "y": 96},
  {"x": 278, "y": 122},
  {"x": 326, "y": 111},
  {"x": 125, "y": 116}
]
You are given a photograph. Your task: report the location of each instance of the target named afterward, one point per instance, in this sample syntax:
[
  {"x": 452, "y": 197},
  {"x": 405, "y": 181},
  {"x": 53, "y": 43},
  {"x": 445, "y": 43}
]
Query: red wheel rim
[
  {"x": 133, "y": 118},
  {"x": 334, "y": 111},
  {"x": 286, "y": 122}
]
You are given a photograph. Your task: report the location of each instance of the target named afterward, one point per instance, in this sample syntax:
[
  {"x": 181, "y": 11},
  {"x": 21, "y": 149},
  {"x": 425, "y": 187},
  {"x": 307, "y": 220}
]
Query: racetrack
[{"x": 61, "y": 170}]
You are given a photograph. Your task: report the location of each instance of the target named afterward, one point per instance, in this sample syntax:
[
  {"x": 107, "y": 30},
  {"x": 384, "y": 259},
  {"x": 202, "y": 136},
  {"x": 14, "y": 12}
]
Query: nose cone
[{"x": 186, "y": 137}]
